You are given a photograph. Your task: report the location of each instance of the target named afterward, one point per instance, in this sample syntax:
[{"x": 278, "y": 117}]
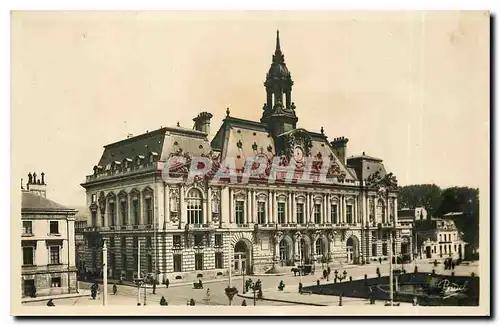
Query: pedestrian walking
[
  {"x": 167, "y": 283},
  {"x": 191, "y": 302},
  {"x": 244, "y": 303},
  {"x": 154, "y": 286},
  {"x": 163, "y": 301},
  {"x": 115, "y": 289},
  {"x": 50, "y": 303}
]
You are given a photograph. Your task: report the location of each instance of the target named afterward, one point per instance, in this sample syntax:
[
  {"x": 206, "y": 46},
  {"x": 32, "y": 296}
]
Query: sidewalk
[
  {"x": 293, "y": 297},
  {"x": 81, "y": 293}
]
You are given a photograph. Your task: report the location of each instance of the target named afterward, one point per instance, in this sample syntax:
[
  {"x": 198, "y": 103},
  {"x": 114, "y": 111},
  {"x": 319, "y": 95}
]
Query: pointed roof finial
[
  {"x": 322, "y": 131},
  {"x": 227, "y": 112},
  {"x": 178, "y": 124},
  {"x": 278, "y": 48}
]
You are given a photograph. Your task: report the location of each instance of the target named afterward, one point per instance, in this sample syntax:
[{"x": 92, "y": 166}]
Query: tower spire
[{"x": 278, "y": 48}]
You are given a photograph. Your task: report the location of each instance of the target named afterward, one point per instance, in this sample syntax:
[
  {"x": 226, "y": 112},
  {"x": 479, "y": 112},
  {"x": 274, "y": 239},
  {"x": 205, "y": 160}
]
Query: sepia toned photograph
[{"x": 328, "y": 163}]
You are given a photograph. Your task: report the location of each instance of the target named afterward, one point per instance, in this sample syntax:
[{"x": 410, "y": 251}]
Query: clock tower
[{"x": 279, "y": 110}]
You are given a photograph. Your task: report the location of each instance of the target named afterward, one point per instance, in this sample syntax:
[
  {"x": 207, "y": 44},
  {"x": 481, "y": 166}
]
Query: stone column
[
  {"x": 293, "y": 213},
  {"x": 254, "y": 207},
  {"x": 206, "y": 206},
  {"x": 167, "y": 202},
  {"x": 249, "y": 208},
  {"x": 269, "y": 208},
  {"x": 71, "y": 241},
  {"x": 324, "y": 210},
  {"x": 396, "y": 210},
  {"x": 296, "y": 240},
  {"x": 307, "y": 209},
  {"x": 182, "y": 206},
  {"x": 224, "y": 205},
  {"x": 289, "y": 208},
  {"x": 328, "y": 209},
  {"x": 364, "y": 210},
  {"x": 208, "y": 212},
  {"x": 275, "y": 207},
  {"x": 231, "y": 206}
]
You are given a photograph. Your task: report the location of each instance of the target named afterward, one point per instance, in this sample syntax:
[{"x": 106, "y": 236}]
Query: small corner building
[
  {"x": 439, "y": 238},
  {"x": 47, "y": 243},
  {"x": 190, "y": 230}
]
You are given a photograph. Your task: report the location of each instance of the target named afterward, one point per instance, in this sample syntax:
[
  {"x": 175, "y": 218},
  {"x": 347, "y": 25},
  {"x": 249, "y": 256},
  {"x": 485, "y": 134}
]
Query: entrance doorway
[
  {"x": 428, "y": 253},
  {"x": 29, "y": 288},
  {"x": 242, "y": 257},
  {"x": 352, "y": 250}
]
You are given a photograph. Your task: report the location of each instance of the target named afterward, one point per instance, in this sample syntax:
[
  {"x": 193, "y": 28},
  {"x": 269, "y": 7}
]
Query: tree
[{"x": 426, "y": 195}]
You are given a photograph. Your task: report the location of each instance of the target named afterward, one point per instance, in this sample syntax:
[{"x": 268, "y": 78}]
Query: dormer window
[
  {"x": 139, "y": 159},
  {"x": 152, "y": 157}
]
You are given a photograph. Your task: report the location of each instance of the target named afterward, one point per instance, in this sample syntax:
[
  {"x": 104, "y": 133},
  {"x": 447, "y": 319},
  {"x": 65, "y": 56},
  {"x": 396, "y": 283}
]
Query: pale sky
[{"x": 411, "y": 88}]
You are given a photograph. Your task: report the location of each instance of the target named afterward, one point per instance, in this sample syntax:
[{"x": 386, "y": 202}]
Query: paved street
[{"x": 179, "y": 295}]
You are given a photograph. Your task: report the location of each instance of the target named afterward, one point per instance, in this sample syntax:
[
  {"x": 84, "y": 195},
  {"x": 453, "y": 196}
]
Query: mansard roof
[{"x": 162, "y": 142}]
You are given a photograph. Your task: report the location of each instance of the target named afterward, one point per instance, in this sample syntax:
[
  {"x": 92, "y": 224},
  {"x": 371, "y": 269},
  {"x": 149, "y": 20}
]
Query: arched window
[
  {"x": 194, "y": 207},
  {"x": 319, "y": 247},
  {"x": 283, "y": 250},
  {"x": 380, "y": 211}
]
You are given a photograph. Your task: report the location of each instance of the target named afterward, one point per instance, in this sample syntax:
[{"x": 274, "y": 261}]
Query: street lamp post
[
  {"x": 105, "y": 273},
  {"x": 138, "y": 273},
  {"x": 391, "y": 290}
]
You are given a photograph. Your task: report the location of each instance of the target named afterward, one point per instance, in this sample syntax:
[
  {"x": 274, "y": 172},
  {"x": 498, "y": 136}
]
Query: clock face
[{"x": 298, "y": 154}]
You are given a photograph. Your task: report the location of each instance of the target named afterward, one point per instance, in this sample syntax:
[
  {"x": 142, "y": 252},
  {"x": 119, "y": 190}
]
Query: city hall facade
[{"x": 189, "y": 227}]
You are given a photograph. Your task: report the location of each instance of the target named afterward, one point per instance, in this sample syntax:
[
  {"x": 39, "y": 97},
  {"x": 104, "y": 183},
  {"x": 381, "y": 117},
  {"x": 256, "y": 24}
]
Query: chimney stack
[
  {"x": 202, "y": 122},
  {"x": 339, "y": 145},
  {"x": 35, "y": 186}
]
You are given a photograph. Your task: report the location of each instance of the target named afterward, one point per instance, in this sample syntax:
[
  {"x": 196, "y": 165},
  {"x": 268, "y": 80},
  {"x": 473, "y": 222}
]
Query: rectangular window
[
  {"x": 374, "y": 249},
  {"x": 28, "y": 255},
  {"x": 94, "y": 219},
  {"x": 54, "y": 227},
  {"x": 54, "y": 255},
  {"x": 177, "y": 263},
  {"x": 135, "y": 205},
  {"x": 123, "y": 206},
  {"x": 261, "y": 212},
  {"x": 240, "y": 213},
  {"x": 300, "y": 213},
  {"x": 111, "y": 244},
  {"x": 55, "y": 282},
  {"x": 218, "y": 260},
  {"x": 112, "y": 214},
  {"x": 123, "y": 243},
  {"x": 177, "y": 240},
  {"x": 317, "y": 213},
  {"x": 384, "y": 249},
  {"x": 349, "y": 216},
  {"x": 198, "y": 262},
  {"x": 149, "y": 211},
  {"x": 149, "y": 243},
  {"x": 281, "y": 213},
  {"x": 334, "y": 213},
  {"x": 218, "y": 240},
  {"x": 135, "y": 241},
  {"x": 94, "y": 198},
  {"x": 198, "y": 240},
  {"x": 27, "y": 227}
]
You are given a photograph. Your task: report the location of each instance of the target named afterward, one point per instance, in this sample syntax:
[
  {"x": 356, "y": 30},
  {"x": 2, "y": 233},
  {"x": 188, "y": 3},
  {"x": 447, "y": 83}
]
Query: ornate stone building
[{"x": 193, "y": 226}]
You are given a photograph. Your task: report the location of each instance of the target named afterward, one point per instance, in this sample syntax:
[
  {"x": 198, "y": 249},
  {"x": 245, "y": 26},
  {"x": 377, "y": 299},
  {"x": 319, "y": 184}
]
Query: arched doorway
[
  {"x": 243, "y": 257},
  {"x": 352, "y": 250},
  {"x": 284, "y": 250}
]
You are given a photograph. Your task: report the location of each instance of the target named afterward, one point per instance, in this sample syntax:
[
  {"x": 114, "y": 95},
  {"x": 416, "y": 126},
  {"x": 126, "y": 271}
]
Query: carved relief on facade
[
  {"x": 240, "y": 194},
  {"x": 215, "y": 204},
  {"x": 371, "y": 210},
  {"x": 174, "y": 204},
  {"x": 102, "y": 203}
]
